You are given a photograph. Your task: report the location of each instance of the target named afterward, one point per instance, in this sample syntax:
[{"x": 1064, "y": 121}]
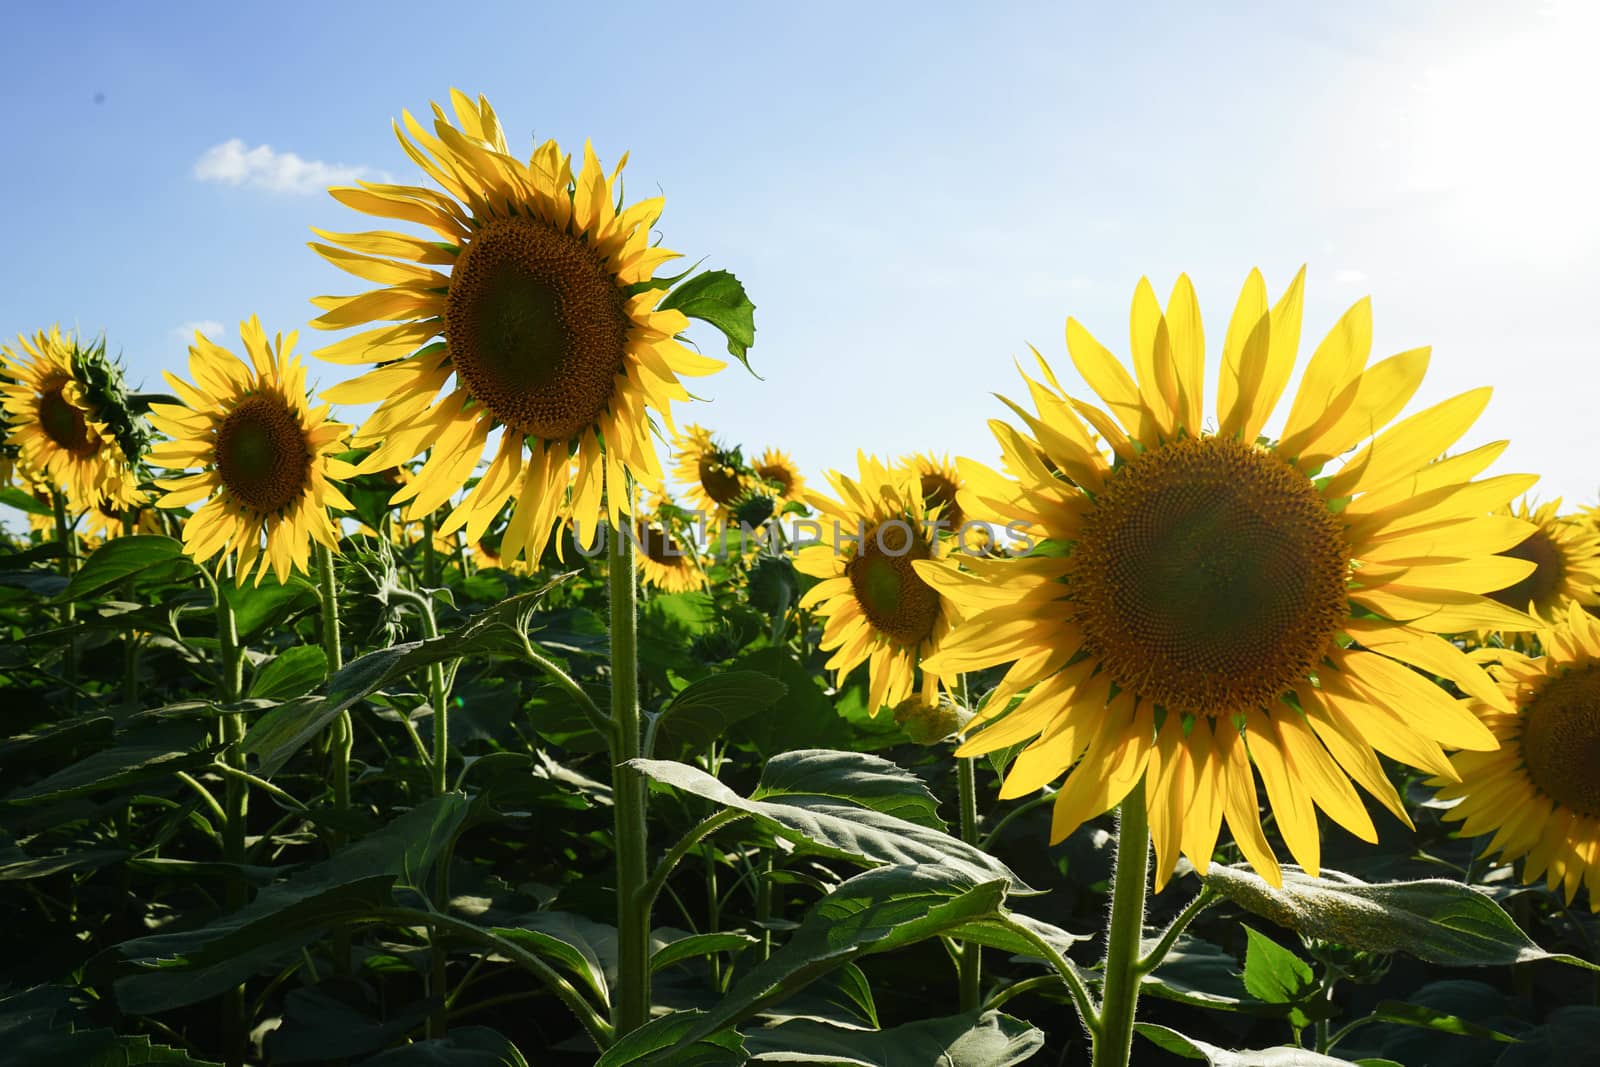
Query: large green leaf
[
  {"x": 1199, "y": 973},
  {"x": 187, "y": 966},
  {"x": 839, "y": 828},
  {"x": 1566, "y": 1038},
  {"x": 291, "y": 673},
  {"x": 467, "y": 1046},
  {"x": 703, "y": 710},
  {"x": 1274, "y": 975},
  {"x": 826, "y": 776},
  {"x": 581, "y": 946},
  {"x": 318, "y": 1027},
  {"x": 255, "y": 607},
  {"x": 40, "y": 1027},
  {"x": 155, "y": 752},
  {"x": 122, "y": 558},
  {"x": 717, "y": 297},
  {"x": 1194, "y": 1049},
  {"x": 989, "y": 1039},
  {"x": 1434, "y": 920},
  {"x": 281, "y": 732},
  {"x": 877, "y": 911},
  {"x": 657, "y": 1042}
]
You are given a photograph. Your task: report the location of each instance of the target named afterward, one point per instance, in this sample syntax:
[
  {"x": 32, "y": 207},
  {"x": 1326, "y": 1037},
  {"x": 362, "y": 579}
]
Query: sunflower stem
[
  {"x": 631, "y": 1009},
  {"x": 235, "y": 800},
  {"x": 341, "y": 734},
  {"x": 69, "y": 613},
  {"x": 1114, "y": 1041},
  {"x": 439, "y": 697},
  {"x": 970, "y": 969}
]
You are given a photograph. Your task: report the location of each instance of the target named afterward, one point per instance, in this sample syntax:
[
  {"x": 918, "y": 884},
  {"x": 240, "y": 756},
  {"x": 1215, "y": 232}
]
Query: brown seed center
[
  {"x": 64, "y": 423},
  {"x": 536, "y": 327},
  {"x": 262, "y": 457},
  {"x": 896, "y": 601},
  {"x": 1542, "y": 588},
  {"x": 938, "y": 491},
  {"x": 1209, "y": 576},
  {"x": 660, "y": 546},
  {"x": 719, "y": 480},
  {"x": 1561, "y": 739}
]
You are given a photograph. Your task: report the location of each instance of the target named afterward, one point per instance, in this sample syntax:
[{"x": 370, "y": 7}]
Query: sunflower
[
  {"x": 1210, "y": 602},
  {"x": 777, "y": 468},
  {"x": 1538, "y": 791},
  {"x": 713, "y": 474},
  {"x": 544, "y": 314},
  {"x": 875, "y": 607},
  {"x": 266, "y": 454},
  {"x": 120, "y": 508},
  {"x": 941, "y": 484},
  {"x": 1565, "y": 552},
  {"x": 64, "y": 402},
  {"x": 667, "y": 557}
]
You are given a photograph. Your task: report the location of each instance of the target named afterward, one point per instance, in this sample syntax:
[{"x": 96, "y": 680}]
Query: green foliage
[{"x": 717, "y": 297}]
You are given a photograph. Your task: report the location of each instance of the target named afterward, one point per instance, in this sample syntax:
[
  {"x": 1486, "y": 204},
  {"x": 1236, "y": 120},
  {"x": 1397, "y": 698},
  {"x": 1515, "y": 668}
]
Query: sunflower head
[
  {"x": 666, "y": 552},
  {"x": 1565, "y": 553},
  {"x": 715, "y": 475},
  {"x": 1538, "y": 792},
  {"x": 1217, "y": 605},
  {"x": 68, "y": 413},
  {"x": 779, "y": 470},
  {"x": 532, "y": 309},
  {"x": 264, "y": 457},
  {"x": 875, "y": 606}
]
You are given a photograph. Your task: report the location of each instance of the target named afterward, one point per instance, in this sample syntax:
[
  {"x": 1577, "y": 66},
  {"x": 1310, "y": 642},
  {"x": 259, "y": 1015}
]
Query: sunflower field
[{"x": 520, "y": 720}]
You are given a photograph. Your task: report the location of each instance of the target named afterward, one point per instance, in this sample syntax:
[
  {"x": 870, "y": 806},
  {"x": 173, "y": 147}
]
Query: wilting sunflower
[
  {"x": 1538, "y": 791},
  {"x": 266, "y": 456},
  {"x": 1565, "y": 552},
  {"x": 544, "y": 316},
  {"x": 666, "y": 554},
  {"x": 778, "y": 469},
  {"x": 64, "y": 403},
  {"x": 876, "y": 608},
  {"x": 713, "y": 474},
  {"x": 1212, "y": 604}
]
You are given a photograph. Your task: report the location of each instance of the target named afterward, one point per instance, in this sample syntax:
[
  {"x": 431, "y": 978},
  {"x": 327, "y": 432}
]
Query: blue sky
[{"x": 912, "y": 193}]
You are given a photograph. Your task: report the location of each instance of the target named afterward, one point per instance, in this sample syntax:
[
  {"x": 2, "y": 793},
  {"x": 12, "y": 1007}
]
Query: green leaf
[
  {"x": 580, "y": 945},
  {"x": 155, "y": 752},
  {"x": 878, "y": 911},
  {"x": 989, "y": 1039},
  {"x": 467, "y": 1046},
  {"x": 291, "y": 673},
  {"x": 695, "y": 945},
  {"x": 702, "y": 711},
  {"x": 841, "y": 829},
  {"x": 1437, "y": 921},
  {"x": 122, "y": 558},
  {"x": 1199, "y": 973},
  {"x": 1191, "y": 1048},
  {"x": 281, "y": 732},
  {"x": 12, "y": 497},
  {"x": 318, "y": 1027},
  {"x": 188, "y": 966},
  {"x": 827, "y": 776},
  {"x": 1274, "y": 975},
  {"x": 1403, "y": 1014},
  {"x": 717, "y": 297},
  {"x": 1567, "y": 1038},
  {"x": 656, "y": 1043},
  {"x": 255, "y": 607}
]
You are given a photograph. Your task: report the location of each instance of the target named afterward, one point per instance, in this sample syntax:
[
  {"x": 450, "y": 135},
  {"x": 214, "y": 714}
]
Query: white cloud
[
  {"x": 280, "y": 172},
  {"x": 185, "y": 331},
  {"x": 1349, "y": 276}
]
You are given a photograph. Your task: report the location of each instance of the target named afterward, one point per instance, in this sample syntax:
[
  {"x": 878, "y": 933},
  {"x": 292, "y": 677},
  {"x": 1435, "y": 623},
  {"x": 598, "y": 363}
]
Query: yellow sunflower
[
  {"x": 266, "y": 456},
  {"x": 58, "y": 429},
  {"x": 1538, "y": 791},
  {"x": 543, "y": 314},
  {"x": 711, "y": 473},
  {"x": 1565, "y": 552},
  {"x": 667, "y": 558},
  {"x": 778, "y": 468},
  {"x": 1212, "y": 602},
  {"x": 875, "y": 608},
  {"x": 120, "y": 508}
]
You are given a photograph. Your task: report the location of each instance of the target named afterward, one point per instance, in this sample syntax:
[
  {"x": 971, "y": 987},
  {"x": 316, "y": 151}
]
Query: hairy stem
[
  {"x": 632, "y": 1007},
  {"x": 1120, "y": 999}
]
